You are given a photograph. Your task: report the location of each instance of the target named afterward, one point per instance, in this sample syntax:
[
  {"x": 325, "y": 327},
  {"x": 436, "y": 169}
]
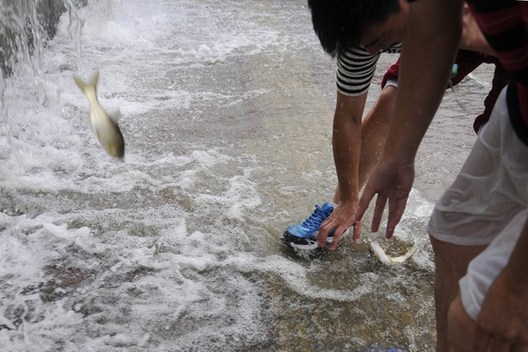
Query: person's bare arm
[
  {"x": 429, "y": 49},
  {"x": 346, "y": 141},
  {"x": 374, "y": 128}
]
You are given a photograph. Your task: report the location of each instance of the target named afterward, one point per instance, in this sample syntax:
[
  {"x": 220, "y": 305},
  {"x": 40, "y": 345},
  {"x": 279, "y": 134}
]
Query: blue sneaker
[{"x": 302, "y": 236}]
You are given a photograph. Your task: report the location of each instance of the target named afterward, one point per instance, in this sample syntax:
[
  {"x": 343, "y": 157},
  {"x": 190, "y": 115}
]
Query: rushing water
[{"x": 226, "y": 112}]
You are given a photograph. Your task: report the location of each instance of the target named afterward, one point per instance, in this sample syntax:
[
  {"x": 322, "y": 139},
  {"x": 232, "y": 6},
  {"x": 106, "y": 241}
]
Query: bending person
[
  {"x": 358, "y": 142},
  {"x": 479, "y": 227}
]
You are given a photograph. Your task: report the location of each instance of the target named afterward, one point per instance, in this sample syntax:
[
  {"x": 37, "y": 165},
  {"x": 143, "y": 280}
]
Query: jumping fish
[{"x": 105, "y": 128}]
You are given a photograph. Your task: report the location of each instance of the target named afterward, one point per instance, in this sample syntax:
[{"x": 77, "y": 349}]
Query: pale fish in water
[
  {"x": 379, "y": 253},
  {"x": 105, "y": 128}
]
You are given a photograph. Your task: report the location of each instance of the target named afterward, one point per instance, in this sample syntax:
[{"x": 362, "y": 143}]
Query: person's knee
[{"x": 460, "y": 327}]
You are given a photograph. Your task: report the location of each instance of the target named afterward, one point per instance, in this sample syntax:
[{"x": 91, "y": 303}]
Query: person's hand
[
  {"x": 502, "y": 324},
  {"x": 392, "y": 183},
  {"x": 343, "y": 216}
]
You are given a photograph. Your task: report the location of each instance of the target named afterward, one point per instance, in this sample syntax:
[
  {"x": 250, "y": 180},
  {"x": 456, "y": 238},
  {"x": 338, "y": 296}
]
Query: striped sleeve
[{"x": 355, "y": 69}]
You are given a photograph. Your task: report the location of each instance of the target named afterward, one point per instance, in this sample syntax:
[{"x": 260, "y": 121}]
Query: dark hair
[{"x": 339, "y": 24}]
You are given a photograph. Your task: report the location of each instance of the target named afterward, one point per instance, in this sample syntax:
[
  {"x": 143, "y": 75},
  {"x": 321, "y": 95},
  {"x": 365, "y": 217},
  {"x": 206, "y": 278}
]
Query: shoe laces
[{"x": 316, "y": 218}]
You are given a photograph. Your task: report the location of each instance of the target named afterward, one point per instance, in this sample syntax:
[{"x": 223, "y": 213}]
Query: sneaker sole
[{"x": 300, "y": 243}]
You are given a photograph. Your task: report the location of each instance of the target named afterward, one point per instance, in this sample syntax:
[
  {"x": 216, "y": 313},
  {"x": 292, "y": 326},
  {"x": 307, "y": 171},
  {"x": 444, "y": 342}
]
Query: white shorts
[
  {"x": 485, "y": 268},
  {"x": 487, "y": 204},
  {"x": 491, "y": 188}
]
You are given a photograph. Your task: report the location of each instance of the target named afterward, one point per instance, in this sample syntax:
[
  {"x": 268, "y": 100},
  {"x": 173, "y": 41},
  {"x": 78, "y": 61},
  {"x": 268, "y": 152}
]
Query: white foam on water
[{"x": 131, "y": 269}]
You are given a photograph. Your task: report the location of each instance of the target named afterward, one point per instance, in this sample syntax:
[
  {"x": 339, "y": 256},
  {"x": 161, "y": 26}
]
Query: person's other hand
[
  {"x": 502, "y": 324},
  {"x": 341, "y": 219},
  {"x": 392, "y": 183}
]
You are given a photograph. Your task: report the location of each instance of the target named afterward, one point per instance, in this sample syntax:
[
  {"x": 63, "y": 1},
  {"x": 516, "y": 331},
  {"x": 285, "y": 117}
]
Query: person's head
[{"x": 373, "y": 24}]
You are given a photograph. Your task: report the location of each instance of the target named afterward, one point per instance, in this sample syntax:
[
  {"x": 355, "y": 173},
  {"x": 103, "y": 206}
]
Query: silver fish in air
[{"x": 105, "y": 128}]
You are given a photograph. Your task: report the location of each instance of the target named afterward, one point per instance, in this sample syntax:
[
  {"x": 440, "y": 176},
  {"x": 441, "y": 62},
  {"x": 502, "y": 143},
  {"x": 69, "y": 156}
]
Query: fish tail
[{"x": 90, "y": 86}]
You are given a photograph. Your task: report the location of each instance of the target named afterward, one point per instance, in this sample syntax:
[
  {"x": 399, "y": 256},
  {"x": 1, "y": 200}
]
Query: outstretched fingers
[
  {"x": 392, "y": 183},
  {"x": 364, "y": 202},
  {"x": 356, "y": 234},
  {"x": 381, "y": 201},
  {"x": 396, "y": 209}
]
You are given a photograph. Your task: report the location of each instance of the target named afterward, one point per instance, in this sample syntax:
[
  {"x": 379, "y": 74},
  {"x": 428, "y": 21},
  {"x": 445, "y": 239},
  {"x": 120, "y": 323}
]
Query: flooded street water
[{"x": 226, "y": 113}]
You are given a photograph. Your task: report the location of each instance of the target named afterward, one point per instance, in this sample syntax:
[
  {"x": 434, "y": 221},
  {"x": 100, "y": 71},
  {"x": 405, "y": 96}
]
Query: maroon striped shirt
[{"x": 504, "y": 23}]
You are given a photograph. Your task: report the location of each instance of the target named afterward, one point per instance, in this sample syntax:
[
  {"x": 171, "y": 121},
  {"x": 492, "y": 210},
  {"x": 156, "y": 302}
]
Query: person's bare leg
[
  {"x": 451, "y": 262},
  {"x": 374, "y": 131}
]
